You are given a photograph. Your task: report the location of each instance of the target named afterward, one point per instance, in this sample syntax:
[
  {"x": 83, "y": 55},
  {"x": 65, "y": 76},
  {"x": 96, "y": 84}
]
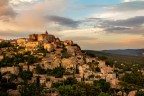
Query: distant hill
[
  {"x": 126, "y": 59},
  {"x": 132, "y": 52}
]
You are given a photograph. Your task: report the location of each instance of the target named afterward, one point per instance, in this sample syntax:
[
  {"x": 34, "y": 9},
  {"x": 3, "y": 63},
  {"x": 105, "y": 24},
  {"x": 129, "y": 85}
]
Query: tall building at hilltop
[{"x": 42, "y": 37}]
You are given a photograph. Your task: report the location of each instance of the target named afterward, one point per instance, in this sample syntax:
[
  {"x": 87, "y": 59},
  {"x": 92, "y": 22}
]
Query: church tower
[{"x": 46, "y": 33}]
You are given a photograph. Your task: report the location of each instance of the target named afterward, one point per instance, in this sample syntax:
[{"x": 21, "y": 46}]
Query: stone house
[
  {"x": 49, "y": 47},
  {"x": 78, "y": 77},
  {"x": 30, "y": 46},
  {"x": 13, "y": 70},
  {"x": 68, "y": 42},
  {"x": 67, "y": 76},
  {"x": 1, "y": 57},
  {"x": 22, "y": 41},
  {"x": 69, "y": 62}
]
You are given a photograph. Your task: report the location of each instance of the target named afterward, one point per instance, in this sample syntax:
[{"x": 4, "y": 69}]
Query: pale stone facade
[
  {"x": 13, "y": 70},
  {"x": 1, "y": 57},
  {"x": 68, "y": 42},
  {"x": 42, "y": 37},
  {"x": 49, "y": 47},
  {"x": 22, "y": 41},
  {"x": 32, "y": 45}
]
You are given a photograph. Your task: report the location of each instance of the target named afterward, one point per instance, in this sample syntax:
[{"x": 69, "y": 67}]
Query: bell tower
[{"x": 46, "y": 33}]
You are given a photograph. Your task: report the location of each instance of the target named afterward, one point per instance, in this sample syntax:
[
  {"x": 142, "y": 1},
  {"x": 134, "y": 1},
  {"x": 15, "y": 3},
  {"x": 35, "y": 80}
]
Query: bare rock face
[{"x": 69, "y": 62}]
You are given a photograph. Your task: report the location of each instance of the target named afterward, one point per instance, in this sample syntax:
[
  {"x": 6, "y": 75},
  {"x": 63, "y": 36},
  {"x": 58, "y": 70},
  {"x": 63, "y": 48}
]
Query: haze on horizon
[{"x": 93, "y": 24}]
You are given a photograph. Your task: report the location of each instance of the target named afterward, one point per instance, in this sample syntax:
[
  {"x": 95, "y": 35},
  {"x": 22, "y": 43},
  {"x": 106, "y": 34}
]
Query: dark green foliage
[
  {"x": 57, "y": 84},
  {"x": 97, "y": 69},
  {"x": 90, "y": 54},
  {"x": 127, "y": 60},
  {"x": 66, "y": 55},
  {"x": 77, "y": 69},
  {"x": 79, "y": 89},
  {"x": 134, "y": 78},
  {"x": 64, "y": 50},
  {"x": 70, "y": 87},
  {"x": 67, "y": 73},
  {"x": 31, "y": 59},
  {"x": 7, "y": 61},
  {"x": 103, "y": 85},
  {"x": 0, "y": 76},
  {"x": 57, "y": 72},
  {"x": 31, "y": 89},
  {"x": 16, "y": 59},
  {"x": 109, "y": 62},
  {"x": 5, "y": 44},
  {"x": 102, "y": 57},
  {"x": 40, "y": 70},
  {"x": 6, "y": 86},
  {"x": 70, "y": 81},
  {"x": 76, "y": 45},
  {"x": 42, "y": 50},
  {"x": 25, "y": 75},
  {"x": 140, "y": 93},
  {"x": 91, "y": 76}
]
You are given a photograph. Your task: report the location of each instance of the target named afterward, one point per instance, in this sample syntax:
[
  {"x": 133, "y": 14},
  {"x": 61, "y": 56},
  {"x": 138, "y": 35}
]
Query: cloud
[
  {"x": 13, "y": 34},
  {"x": 129, "y": 26},
  {"x": 132, "y": 22},
  {"x": 17, "y": 2},
  {"x": 6, "y": 11},
  {"x": 131, "y": 0},
  {"x": 80, "y": 38},
  {"x": 134, "y": 25},
  {"x": 117, "y": 28},
  {"x": 63, "y": 21},
  {"x": 122, "y": 10},
  {"x": 127, "y": 6}
]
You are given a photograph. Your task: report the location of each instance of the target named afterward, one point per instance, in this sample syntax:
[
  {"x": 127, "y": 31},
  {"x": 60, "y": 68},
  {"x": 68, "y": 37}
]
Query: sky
[{"x": 93, "y": 24}]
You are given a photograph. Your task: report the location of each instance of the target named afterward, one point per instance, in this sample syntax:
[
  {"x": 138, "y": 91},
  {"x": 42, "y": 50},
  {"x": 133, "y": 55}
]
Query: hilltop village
[{"x": 46, "y": 60}]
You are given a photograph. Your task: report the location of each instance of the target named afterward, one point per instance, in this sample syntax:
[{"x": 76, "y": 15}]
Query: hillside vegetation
[{"x": 127, "y": 60}]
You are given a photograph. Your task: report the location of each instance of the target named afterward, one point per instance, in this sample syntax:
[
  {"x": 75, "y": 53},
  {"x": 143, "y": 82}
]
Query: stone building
[
  {"x": 42, "y": 37},
  {"x": 49, "y": 47},
  {"x": 33, "y": 45},
  {"x": 13, "y": 70},
  {"x": 22, "y": 41},
  {"x": 68, "y": 42}
]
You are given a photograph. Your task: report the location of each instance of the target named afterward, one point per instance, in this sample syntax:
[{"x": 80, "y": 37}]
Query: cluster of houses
[{"x": 59, "y": 53}]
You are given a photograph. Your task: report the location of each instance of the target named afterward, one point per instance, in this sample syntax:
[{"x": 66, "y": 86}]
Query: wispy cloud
[
  {"x": 6, "y": 11},
  {"x": 63, "y": 21}
]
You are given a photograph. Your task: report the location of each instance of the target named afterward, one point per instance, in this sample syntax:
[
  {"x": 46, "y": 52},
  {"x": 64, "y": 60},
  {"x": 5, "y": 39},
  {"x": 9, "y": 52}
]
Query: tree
[
  {"x": 57, "y": 72},
  {"x": 97, "y": 69},
  {"x": 103, "y": 58},
  {"x": 134, "y": 78},
  {"x": 77, "y": 69},
  {"x": 103, "y": 85},
  {"x": 40, "y": 70},
  {"x": 31, "y": 89},
  {"x": 140, "y": 93},
  {"x": 79, "y": 89},
  {"x": 5, "y": 44},
  {"x": 103, "y": 94},
  {"x": 66, "y": 90},
  {"x": 70, "y": 81}
]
